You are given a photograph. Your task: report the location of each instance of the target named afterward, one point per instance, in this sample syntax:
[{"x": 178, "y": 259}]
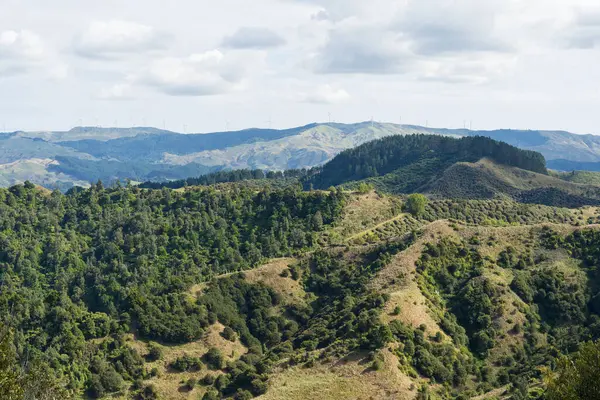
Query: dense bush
[
  {"x": 431, "y": 153},
  {"x": 95, "y": 263}
]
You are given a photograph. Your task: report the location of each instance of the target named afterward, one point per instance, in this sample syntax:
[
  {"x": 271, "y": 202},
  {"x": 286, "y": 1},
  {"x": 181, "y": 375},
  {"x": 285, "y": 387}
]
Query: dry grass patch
[
  {"x": 272, "y": 274},
  {"x": 413, "y": 310},
  {"x": 197, "y": 290},
  {"x": 398, "y": 280},
  {"x": 363, "y": 211},
  {"x": 349, "y": 378},
  {"x": 403, "y": 264},
  {"x": 171, "y": 384},
  {"x": 499, "y": 393}
]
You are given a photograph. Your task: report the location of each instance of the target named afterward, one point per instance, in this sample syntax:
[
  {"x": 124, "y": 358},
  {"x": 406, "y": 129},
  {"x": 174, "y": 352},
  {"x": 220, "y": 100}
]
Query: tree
[
  {"x": 317, "y": 221},
  {"x": 214, "y": 358},
  {"x": 155, "y": 352},
  {"x": 211, "y": 394},
  {"x": 228, "y": 334},
  {"x": 576, "y": 377},
  {"x": 364, "y": 188},
  {"x": 415, "y": 204},
  {"x": 34, "y": 382},
  {"x": 10, "y": 380}
]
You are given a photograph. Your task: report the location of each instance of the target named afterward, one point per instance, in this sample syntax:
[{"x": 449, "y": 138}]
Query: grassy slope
[
  {"x": 584, "y": 177},
  {"x": 350, "y": 377},
  {"x": 486, "y": 179},
  {"x": 398, "y": 279}
]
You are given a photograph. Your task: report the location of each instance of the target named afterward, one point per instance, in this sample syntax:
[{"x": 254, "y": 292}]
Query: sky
[{"x": 203, "y": 66}]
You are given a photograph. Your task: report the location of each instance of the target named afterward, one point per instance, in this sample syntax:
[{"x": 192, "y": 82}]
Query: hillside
[
  {"x": 466, "y": 168},
  {"x": 283, "y": 294},
  {"x": 584, "y": 177},
  {"x": 487, "y": 179},
  {"x": 144, "y": 153}
]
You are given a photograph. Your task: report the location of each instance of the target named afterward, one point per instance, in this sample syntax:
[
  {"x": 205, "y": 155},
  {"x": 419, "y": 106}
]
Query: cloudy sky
[{"x": 202, "y": 66}]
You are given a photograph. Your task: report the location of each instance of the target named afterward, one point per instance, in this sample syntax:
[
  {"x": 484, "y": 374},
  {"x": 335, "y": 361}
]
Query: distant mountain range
[{"x": 86, "y": 154}]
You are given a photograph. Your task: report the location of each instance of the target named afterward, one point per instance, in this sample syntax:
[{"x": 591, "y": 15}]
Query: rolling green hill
[
  {"x": 584, "y": 177},
  {"x": 127, "y": 293},
  {"x": 487, "y": 179},
  {"x": 467, "y": 168},
  {"x": 416, "y": 159}
]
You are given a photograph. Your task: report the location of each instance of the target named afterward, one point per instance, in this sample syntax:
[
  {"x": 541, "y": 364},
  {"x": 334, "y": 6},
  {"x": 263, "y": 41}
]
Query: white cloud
[
  {"x": 445, "y": 58},
  {"x": 113, "y": 39},
  {"x": 583, "y": 32},
  {"x": 477, "y": 70},
  {"x": 451, "y": 41},
  {"x": 120, "y": 91},
  {"x": 20, "y": 51},
  {"x": 201, "y": 74},
  {"x": 451, "y": 26},
  {"x": 354, "y": 47},
  {"x": 25, "y": 52},
  {"x": 253, "y": 38},
  {"x": 325, "y": 94}
]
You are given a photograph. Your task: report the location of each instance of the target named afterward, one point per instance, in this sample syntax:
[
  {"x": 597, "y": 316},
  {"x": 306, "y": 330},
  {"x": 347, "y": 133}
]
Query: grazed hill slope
[{"x": 487, "y": 179}]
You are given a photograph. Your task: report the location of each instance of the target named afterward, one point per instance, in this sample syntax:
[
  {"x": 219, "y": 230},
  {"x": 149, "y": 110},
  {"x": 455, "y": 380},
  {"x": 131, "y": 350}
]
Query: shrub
[
  {"x": 155, "y": 352},
  {"x": 186, "y": 363},
  {"x": 415, "y": 204},
  {"x": 208, "y": 379},
  {"x": 228, "y": 334},
  {"x": 214, "y": 358},
  {"x": 149, "y": 392},
  {"x": 211, "y": 394}
]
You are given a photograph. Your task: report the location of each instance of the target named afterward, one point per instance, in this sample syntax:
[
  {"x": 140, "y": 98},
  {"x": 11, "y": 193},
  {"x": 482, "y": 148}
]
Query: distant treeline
[
  {"x": 383, "y": 156},
  {"x": 389, "y": 154},
  {"x": 228, "y": 176},
  {"x": 110, "y": 170}
]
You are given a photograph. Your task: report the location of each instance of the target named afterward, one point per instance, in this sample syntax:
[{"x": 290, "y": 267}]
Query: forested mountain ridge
[
  {"x": 147, "y": 294},
  {"x": 433, "y": 153},
  {"x": 465, "y": 168},
  {"x": 85, "y": 154}
]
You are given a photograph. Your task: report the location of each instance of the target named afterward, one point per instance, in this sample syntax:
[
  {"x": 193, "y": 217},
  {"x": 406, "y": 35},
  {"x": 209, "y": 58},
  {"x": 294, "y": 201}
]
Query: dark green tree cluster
[
  {"x": 386, "y": 155},
  {"x": 238, "y": 175},
  {"x": 576, "y": 377},
  {"x": 96, "y": 263},
  {"x": 441, "y": 362},
  {"x": 495, "y": 212},
  {"x": 346, "y": 312}
]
